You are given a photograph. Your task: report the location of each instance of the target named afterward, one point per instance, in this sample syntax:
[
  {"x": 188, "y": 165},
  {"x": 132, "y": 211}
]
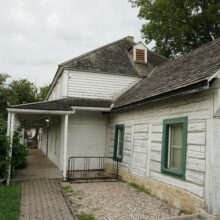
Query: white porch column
[
  {"x": 66, "y": 120},
  {"x": 10, "y": 133}
]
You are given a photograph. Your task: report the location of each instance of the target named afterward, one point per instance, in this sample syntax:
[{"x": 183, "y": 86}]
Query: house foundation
[{"x": 178, "y": 198}]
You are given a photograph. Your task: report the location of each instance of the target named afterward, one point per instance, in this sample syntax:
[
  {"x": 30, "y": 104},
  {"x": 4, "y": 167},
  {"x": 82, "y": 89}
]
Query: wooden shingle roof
[
  {"x": 111, "y": 58},
  {"x": 65, "y": 104},
  {"x": 183, "y": 72}
]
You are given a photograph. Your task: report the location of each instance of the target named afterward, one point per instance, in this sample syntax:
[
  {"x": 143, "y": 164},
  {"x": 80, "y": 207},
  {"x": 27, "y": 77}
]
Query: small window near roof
[
  {"x": 119, "y": 142},
  {"x": 140, "y": 55},
  {"x": 174, "y": 144}
]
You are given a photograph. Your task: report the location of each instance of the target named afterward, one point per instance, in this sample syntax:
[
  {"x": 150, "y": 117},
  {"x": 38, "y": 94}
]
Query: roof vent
[
  {"x": 130, "y": 38},
  {"x": 140, "y": 55}
]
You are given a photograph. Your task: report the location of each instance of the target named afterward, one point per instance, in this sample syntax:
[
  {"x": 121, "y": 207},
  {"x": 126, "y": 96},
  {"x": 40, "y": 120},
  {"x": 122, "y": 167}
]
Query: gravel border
[{"x": 117, "y": 201}]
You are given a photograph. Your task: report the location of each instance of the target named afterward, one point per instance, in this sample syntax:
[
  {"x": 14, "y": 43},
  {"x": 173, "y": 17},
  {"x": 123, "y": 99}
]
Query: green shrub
[
  {"x": 4, "y": 146},
  {"x": 19, "y": 151}
]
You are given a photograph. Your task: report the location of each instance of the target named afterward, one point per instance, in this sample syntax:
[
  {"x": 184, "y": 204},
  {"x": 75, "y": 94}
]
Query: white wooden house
[{"x": 160, "y": 119}]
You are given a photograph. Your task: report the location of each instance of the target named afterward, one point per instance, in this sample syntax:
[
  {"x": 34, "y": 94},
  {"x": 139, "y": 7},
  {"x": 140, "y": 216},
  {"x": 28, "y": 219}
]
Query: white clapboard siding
[
  {"x": 57, "y": 92},
  {"x": 146, "y": 147},
  {"x": 188, "y": 186},
  {"x": 96, "y": 85}
]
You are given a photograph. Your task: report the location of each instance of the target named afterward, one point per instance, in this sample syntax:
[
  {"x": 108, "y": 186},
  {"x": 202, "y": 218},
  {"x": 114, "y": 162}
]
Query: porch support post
[
  {"x": 10, "y": 133},
  {"x": 66, "y": 119}
]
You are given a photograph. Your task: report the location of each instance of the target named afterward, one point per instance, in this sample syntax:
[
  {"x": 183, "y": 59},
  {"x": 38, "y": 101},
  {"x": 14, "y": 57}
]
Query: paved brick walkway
[{"x": 43, "y": 200}]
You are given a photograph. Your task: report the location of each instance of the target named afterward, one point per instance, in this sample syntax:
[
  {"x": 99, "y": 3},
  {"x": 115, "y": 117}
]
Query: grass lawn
[
  {"x": 9, "y": 202},
  {"x": 84, "y": 216}
]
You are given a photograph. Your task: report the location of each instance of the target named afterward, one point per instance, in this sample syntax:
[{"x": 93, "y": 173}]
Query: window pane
[
  {"x": 120, "y": 143},
  {"x": 175, "y": 146}
]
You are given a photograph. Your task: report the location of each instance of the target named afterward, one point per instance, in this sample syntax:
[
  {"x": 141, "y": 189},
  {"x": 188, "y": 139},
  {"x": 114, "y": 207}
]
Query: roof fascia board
[
  {"x": 215, "y": 75},
  {"x": 140, "y": 42},
  {"x": 91, "y": 109},
  {"x": 32, "y": 111},
  {"x": 57, "y": 75},
  {"x": 201, "y": 86}
]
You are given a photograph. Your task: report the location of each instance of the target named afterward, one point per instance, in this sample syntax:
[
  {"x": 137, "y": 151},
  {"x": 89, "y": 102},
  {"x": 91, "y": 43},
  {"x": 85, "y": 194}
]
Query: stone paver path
[{"x": 43, "y": 200}]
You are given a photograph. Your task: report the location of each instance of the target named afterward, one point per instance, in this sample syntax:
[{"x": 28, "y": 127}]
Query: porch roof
[{"x": 64, "y": 105}]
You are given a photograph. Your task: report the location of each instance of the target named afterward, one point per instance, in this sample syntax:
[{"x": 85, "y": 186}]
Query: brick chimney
[{"x": 130, "y": 38}]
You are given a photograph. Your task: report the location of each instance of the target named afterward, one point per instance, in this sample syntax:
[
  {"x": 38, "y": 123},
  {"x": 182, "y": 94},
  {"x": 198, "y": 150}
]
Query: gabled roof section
[
  {"x": 111, "y": 58},
  {"x": 181, "y": 73}
]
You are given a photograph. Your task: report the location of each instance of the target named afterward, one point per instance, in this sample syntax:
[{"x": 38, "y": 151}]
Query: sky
[{"x": 37, "y": 35}]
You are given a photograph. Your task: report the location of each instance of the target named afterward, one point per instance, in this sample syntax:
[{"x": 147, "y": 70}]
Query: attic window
[{"x": 140, "y": 55}]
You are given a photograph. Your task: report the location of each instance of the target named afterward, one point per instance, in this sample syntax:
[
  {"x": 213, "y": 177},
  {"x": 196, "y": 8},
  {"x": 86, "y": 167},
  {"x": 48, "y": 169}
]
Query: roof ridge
[
  {"x": 93, "y": 51},
  {"x": 158, "y": 54},
  {"x": 193, "y": 51}
]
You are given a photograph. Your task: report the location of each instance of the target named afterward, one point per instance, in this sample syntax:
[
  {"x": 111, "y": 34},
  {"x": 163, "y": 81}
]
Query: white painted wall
[
  {"x": 143, "y": 139},
  {"x": 87, "y": 135},
  {"x": 54, "y": 140},
  {"x": 98, "y": 85},
  {"x": 60, "y": 89}
]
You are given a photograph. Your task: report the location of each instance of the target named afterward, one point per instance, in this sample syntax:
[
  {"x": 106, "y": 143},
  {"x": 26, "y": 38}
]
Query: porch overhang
[{"x": 39, "y": 111}]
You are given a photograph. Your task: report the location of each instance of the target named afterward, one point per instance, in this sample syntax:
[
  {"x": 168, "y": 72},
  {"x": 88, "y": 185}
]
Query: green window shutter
[
  {"x": 119, "y": 142},
  {"x": 171, "y": 127}
]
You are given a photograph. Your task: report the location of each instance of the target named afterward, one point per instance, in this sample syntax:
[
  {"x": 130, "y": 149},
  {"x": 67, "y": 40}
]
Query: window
[
  {"x": 119, "y": 142},
  {"x": 174, "y": 145},
  {"x": 140, "y": 55}
]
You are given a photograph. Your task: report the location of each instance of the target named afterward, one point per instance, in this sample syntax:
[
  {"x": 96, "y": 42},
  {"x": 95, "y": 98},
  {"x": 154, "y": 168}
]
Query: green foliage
[
  {"x": 19, "y": 151},
  {"x": 68, "y": 189},
  {"x": 22, "y": 91},
  {"x": 84, "y": 216},
  {"x": 4, "y": 95},
  {"x": 9, "y": 202},
  {"x": 4, "y": 146},
  {"x": 43, "y": 92},
  {"x": 19, "y": 92},
  {"x": 140, "y": 188},
  {"x": 3, "y": 78},
  {"x": 179, "y": 26}
]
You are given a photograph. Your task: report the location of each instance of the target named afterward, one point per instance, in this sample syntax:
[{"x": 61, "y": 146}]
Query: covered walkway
[{"x": 38, "y": 167}]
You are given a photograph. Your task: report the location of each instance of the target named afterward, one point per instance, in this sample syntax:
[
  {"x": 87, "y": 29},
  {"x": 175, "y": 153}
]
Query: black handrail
[{"x": 94, "y": 168}]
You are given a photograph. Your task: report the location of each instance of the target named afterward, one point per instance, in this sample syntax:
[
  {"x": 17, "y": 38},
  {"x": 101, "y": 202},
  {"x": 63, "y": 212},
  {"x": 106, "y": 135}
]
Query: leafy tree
[
  {"x": 179, "y": 26},
  {"x": 43, "y": 92},
  {"x": 4, "y": 95},
  {"x": 22, "y": 91}
]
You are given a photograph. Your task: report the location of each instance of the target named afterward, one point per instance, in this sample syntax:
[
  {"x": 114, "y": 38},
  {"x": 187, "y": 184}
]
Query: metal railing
[{"x": 88, "y": 169}]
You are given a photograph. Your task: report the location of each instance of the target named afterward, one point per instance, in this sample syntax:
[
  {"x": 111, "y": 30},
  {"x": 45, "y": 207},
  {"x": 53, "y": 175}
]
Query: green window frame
[
  {"x": 169, "y": 124},
  {"x": 119, "y": 142}
]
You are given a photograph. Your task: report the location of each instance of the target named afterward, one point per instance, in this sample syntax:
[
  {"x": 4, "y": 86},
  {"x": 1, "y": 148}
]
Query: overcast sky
[{"x": 37, "y": 35}]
